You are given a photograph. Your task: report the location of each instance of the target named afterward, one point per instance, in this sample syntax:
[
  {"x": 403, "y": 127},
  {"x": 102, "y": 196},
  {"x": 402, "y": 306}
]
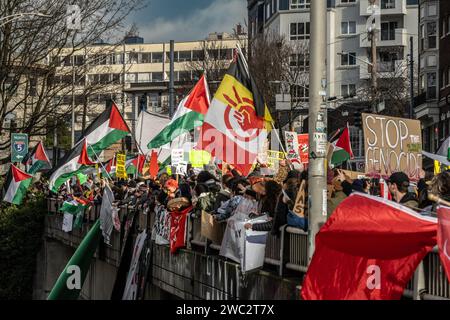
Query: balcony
[
  {"x": 385, "y": 69},
  {"x": 397, "y": 39},
  {"x": 398, "y": 7}
]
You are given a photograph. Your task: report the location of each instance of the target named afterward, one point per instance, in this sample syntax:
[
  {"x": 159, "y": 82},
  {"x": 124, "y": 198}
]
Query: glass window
[
  {"x": 388, "y": 30},
  {"x": 184, "y": 56},
  {"x": 299, "y": 31},
  {"x": 431, "y": 35},
  {"x": 157, "y": 57},
  {"x": 431, "y": 61},
  {"x": 146, "y": 57},
  {"x": 267, "y": 11},
  {"x": 432, "y": 9},
  {"x": 431, "y": 85},
  {"x": 348, "y": 59},
  {"x": 157, "y": 77},
  {"x": 300, "y": 4},
  {"x": 387, "y": 4},
  {"x": 197, "y": 55},
  {"x": 348, "y": 1},
  {"x": 348, "y": 27}
]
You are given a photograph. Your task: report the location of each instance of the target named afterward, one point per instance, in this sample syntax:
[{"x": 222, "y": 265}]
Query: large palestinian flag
[
  {"x": 107, "y": 128},
  {"x": 16, "y": 185},
  {"x": 237, "y": 122},
  {"x": 36, "y": 159},
  {"x": 189, "y": 115},
  {"x": 75, "y": 161},
  {"x": 341, "y": 147}
]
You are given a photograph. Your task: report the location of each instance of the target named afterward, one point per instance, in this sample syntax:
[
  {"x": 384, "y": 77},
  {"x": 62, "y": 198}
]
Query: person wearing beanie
[{"x": 398, "y": 184}]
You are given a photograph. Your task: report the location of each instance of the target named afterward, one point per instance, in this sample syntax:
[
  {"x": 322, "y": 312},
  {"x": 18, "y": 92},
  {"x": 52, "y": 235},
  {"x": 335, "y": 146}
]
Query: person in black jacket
[{"x": 272, "y": 191}]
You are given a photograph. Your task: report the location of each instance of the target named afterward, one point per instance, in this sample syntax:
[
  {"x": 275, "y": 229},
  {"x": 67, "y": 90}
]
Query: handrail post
[
  {"x": 419, "y": 282},
  {"x": 283, "y": 248}
]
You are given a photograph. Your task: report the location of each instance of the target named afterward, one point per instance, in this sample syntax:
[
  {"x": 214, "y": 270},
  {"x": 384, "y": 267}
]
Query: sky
[{"x": 183, "y": 20}]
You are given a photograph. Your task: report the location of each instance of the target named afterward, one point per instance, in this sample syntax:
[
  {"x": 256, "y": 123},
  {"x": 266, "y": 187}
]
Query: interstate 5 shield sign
[{"x": 19, "y": 146}]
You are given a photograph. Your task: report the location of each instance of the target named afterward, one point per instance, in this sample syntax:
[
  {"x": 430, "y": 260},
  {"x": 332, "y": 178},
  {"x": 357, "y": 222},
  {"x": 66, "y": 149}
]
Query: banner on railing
[{"x": 246, "y": 247}]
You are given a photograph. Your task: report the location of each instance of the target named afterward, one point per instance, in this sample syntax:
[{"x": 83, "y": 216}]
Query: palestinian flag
[
  {"x": 109, "y": 167},
  {"x": 134, "y": 163},
  {"x": 236, "y": 125},
  {"x": 72, "y": 207},
  {"x": 36, "y": 159},
  {"x": 16, "y": 185},
  {"x": 107, "y": 128},
  {"x": 341, "y": 147},
  {"x": 75, "y": 161},
  {"x": 189, "y": 115}
]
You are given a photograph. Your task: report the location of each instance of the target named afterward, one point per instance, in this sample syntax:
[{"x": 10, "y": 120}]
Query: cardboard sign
[
  {"x": 120, "y": 166},
  {"x": 211, "y": 229},
  {"x": 303, "y": 144},
  {"x": 182, "y": 168},
  {"x": 392, "y": 145},
  {"x": 273, "y": 158},
  {"x": 177, "y": 155},
  {"x": 292, "y": 148}
]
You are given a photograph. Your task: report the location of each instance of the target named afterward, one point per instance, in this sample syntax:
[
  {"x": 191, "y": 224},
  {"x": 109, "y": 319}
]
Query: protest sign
[
  {"x": 182, "y": 168},
  {"x": 392, "y": 145},
  {"x": 292, "y": 147},
  {"x": 120, "y": 166},
  {"x": 303, "y": 144},
  {"x": 177, "y": 155}
]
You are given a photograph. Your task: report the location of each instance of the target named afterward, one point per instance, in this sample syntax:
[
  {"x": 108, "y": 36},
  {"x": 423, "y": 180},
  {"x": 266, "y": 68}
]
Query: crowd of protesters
[{"x": 275, "y": 196}]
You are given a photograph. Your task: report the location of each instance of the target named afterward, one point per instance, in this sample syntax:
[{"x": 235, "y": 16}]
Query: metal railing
[{"x": 288, "y": 251}]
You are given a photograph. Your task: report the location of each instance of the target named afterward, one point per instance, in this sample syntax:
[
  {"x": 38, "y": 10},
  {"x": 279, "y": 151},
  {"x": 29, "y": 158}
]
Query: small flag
[
  {"x": 341, "y": 147},
  {"x": 16, "y": 185},
  {"x": 154, "y": 167},
  {"x": 36, "y": 159}
]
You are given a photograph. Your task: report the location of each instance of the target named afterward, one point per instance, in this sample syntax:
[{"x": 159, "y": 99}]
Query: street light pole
[{"x": 317, "y": 117}]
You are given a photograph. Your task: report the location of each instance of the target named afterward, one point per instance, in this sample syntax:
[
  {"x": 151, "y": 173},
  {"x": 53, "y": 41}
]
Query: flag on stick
[
  {"x": 36, "y": 159},
  {"x": 16, "y": 185}
]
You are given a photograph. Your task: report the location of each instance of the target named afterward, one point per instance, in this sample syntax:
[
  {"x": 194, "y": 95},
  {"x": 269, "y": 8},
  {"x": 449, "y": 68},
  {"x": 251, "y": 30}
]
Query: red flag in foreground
[
  {"x": 443, "y": 237},
  {"x": 178, "y": 229},
  {"x": 368, "y": 249}
]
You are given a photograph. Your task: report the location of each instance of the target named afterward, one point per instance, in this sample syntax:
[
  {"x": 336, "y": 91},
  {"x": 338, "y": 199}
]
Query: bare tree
[
  {"x": 29, "y": 73},
  {"x": 280, "y": 66}
]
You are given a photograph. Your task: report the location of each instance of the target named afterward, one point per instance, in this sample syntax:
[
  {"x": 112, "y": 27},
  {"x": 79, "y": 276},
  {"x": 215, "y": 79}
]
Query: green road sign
[{"x": 19, "y": 146}]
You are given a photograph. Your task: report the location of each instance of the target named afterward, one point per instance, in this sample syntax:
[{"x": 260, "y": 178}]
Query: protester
[{"x": 398, "y": 184}]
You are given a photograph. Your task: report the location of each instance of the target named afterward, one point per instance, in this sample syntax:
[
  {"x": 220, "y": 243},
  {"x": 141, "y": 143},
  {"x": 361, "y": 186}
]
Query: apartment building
[
  {"x": 349, "y": 48},
  {"x": 136, "y": 74}
]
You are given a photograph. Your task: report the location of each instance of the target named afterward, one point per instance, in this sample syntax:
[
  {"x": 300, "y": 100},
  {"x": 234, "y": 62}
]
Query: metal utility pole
[
  {"x": 411, "y": 78},
  {"x": 317, "y": 174},
  {"x": 123, "y": 87},
  {"x": 373, "y": 46},
  {"x": 73, "y": 104},
  {"x": 171, "y": 80}
]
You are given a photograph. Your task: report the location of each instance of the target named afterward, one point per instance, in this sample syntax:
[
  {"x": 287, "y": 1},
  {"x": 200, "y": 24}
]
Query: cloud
[{"x": 219, "y": 16}]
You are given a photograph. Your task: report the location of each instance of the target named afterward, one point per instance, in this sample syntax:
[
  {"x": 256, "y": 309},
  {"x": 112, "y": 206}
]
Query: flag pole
[{"x": 98, "y": 159}]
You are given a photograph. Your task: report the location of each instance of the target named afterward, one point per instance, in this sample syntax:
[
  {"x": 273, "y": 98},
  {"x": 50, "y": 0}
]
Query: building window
[
  {"x": 299, "y": 62},
  {"x": 348, "y": 27},
  {"x": 157, "y": 57},
  {"x": 146, "y": 57},
  {"x": 388, "y": 30},
  {"x": 432, "y": 10},
  {"x": 299, "y": 31},
  {"x": 348, "y": 90},
  {"x": 348, "y": 1},
  {"x": 274, "y": 6},
  {"x": 431, "y": 61},
  {"x": 267, "y": 11},
  {"x": 422, "y": 12},
  {"x": 348, "y": 59},
  {"x": 299, "y": 93},
  {"x": 157, "y": 77},
  {"x": 300, "y": 4},
  {"x": 431, "y": 85},
  {"x": 431, "y": 35},
  {"x": 184, "y": 56},
  {"x": 387, "y": 4},
  {"x": 422, "y": 37}
]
